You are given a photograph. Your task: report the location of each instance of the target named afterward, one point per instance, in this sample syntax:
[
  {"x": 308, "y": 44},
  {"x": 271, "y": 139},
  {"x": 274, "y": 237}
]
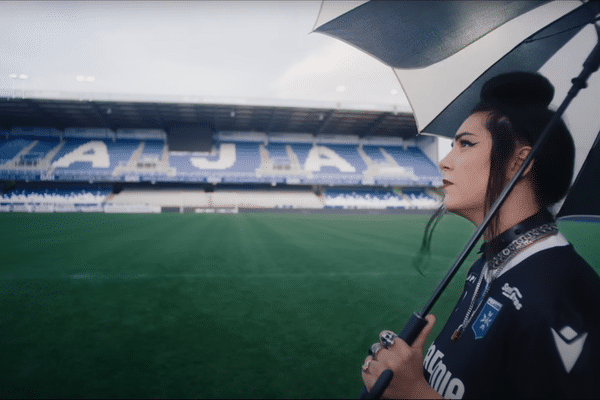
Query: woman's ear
[{"x": 518, "y": 160}]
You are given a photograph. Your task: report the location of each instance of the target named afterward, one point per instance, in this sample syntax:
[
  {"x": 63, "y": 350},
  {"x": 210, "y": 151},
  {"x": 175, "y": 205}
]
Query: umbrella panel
[
  {"x": 583, "y": 201},
  {"x": 415, "y": 34},
  {"x": 530, "y": 56}
]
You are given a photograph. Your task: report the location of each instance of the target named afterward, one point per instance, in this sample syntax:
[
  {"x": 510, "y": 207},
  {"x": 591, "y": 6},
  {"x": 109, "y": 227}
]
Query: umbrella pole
[{"x": 417, "y": 321}]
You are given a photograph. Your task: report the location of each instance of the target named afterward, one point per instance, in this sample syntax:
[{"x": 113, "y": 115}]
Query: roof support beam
[
  {"x": 377, "y": 123},
  {"x": 40, "y": 111},
  {"x": 103, "y": 116},
  {"x": 326, "y": 117},
  {"x": 159, "y": 117},
  {"x": 271, "y": 121}
]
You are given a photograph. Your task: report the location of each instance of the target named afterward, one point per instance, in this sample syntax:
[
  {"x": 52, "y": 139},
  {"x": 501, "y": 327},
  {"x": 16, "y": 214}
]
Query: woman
[{"x": 528, "y": 321}]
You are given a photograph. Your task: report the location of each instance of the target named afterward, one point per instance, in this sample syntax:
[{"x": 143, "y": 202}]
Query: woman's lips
[{"x": 446, "y": 183}]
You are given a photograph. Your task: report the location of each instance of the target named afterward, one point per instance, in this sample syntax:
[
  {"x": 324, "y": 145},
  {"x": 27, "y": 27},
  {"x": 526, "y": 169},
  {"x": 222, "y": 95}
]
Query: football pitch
[{"x": 221, "y": 306}]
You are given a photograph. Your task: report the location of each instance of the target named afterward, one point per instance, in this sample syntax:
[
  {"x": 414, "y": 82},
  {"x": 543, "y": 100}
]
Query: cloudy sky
[{"x": 247, "y": 49}]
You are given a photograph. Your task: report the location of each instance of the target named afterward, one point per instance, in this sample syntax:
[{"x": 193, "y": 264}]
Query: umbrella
[{"x": 444, "y": 51}]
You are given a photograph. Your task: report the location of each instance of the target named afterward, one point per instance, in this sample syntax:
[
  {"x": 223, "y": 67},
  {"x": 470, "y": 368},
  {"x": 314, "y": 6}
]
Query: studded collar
[{"x": 497, "y": 244}]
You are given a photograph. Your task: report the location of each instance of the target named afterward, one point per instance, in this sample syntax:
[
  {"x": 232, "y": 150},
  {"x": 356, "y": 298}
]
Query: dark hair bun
[{"x": 518, "y": 89}]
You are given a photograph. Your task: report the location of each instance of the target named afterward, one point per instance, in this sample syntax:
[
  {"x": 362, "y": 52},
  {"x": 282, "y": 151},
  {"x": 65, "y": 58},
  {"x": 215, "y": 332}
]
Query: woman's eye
[
  {"x": 462, "y": 143},
  {"x": 465, "y": 143}
]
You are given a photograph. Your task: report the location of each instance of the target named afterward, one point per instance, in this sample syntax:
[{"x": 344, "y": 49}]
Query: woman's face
[{"x": 466, "y": 169}]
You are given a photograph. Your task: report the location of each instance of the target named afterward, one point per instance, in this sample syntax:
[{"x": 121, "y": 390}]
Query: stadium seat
[{"x": 90, "y": 154}]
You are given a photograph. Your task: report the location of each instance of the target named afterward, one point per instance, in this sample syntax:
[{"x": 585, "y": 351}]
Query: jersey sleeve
[{"x": 554, "y": 346}]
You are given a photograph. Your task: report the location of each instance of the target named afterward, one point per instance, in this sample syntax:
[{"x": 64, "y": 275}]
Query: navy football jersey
[{"x": 535, "y": 334}]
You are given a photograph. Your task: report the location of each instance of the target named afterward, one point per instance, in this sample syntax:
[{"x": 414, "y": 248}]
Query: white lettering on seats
[
  {"x": 94, "y": 152},
  {"x": 321, "y": 156},
  {"x": 226, "y": 159}
]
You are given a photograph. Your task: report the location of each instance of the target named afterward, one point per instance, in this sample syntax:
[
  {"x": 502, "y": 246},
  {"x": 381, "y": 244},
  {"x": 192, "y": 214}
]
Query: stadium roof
[{"x": 65, "y": 110}]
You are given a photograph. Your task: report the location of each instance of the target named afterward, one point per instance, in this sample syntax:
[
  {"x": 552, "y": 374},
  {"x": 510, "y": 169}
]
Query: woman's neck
[
  {"x": 520, "y": 204},
  {"x": 504, "y": 239}
]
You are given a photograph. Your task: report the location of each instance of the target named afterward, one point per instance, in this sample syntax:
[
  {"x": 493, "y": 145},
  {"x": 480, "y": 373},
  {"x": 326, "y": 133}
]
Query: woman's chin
[
  {"x": 449, "y": 205},
  {"x": 457, "y": 209},
  {"x": 474, "y": 219}
]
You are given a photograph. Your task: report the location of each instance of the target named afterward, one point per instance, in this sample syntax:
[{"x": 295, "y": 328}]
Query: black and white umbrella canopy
[
  {"x": 415, "y": 34},
  {"x": 443, "y": 51}
]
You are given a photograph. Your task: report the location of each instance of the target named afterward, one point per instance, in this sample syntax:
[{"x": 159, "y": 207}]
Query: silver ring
[
  {"x": 386, "y": 338},
  {"x": 365, "y": 366},
  {"x": 375, "y": 347}
]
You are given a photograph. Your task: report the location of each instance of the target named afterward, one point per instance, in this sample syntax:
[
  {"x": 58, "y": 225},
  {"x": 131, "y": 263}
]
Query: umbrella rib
[{"x": 531, "y": 40}]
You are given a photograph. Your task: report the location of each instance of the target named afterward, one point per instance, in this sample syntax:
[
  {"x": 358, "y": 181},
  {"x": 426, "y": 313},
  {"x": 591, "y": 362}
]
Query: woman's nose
[{"x": 445, "y": 163}]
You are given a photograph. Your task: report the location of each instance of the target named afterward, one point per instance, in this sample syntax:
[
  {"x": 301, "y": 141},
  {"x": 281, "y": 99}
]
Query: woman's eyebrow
[{"x": 458, "y": 136}]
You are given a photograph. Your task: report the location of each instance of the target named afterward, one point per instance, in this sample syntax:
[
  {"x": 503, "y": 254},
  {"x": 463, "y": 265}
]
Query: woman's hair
[{"x": 517, "y": 106}]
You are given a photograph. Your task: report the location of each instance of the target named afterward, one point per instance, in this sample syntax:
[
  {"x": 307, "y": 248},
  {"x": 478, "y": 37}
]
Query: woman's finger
[
  {"x": 370, "y": 374},
  {"x": 367, "y": 363},
  {"x": 422, "y": 338}
]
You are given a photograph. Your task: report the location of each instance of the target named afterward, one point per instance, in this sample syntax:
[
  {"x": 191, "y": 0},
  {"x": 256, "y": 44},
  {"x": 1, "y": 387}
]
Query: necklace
[{"x": 497, "y": 264}]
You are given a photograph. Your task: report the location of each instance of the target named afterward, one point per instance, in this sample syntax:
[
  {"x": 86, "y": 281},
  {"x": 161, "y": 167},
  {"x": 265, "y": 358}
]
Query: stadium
[
  {"x": 185, "y": 246},
  {"x": 153, "y": 157}
]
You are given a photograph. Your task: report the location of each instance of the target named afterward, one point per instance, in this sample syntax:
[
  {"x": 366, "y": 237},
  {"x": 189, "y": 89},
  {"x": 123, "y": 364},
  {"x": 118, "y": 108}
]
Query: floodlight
[{"x": 80, "y": 78}]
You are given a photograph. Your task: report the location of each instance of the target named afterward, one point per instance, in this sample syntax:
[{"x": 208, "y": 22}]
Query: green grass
[{"x": 187, "y": 305}]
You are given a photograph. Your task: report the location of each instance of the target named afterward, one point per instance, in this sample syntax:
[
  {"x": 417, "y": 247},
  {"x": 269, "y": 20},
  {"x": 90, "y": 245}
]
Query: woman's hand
[{"x": 407, "y": 363}]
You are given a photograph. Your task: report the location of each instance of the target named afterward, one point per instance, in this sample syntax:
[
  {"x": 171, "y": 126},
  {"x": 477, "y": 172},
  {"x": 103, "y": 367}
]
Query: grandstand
[{"x": 356, "y": 166}]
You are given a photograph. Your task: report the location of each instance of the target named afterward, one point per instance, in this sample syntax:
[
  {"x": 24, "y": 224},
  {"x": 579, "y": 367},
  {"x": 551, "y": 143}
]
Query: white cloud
[{"x": 337, "y": 64}]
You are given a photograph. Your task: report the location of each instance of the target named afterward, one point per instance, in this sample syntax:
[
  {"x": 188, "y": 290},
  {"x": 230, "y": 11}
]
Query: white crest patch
[{"x": 486, "y": 317}]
